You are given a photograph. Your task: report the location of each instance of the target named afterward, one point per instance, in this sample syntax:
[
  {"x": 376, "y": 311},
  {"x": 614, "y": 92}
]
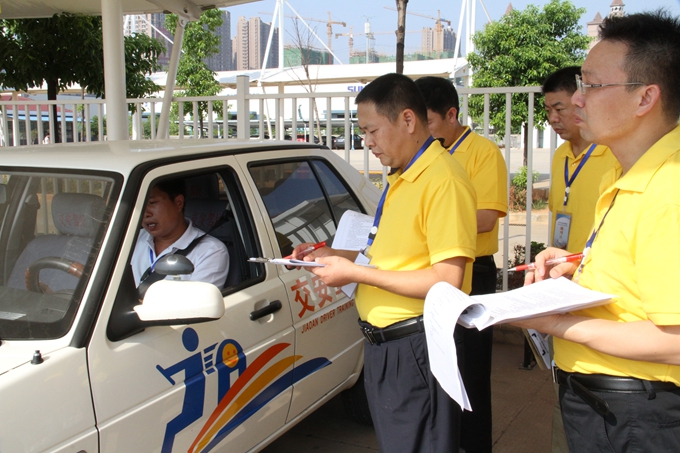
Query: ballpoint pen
[
  {"x": 309, "y": 249},
  {"x": 563, "y": 259}
]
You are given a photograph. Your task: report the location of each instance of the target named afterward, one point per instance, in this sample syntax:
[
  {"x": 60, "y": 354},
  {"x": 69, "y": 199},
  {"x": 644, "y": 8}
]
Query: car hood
[{"x": 16, "y": 354}]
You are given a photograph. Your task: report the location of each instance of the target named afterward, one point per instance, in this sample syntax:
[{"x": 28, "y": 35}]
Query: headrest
[
  {"x": 206, "y": 187},
  {"x": 77, "y": 214},
  {"x": 204, "y": 213}
]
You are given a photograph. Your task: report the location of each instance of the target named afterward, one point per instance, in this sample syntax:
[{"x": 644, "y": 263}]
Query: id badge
[{"x": 561, "y": 233}]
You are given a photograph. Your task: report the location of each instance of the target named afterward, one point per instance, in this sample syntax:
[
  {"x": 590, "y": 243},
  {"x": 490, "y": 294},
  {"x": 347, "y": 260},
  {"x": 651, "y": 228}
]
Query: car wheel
[{"x": 355, "y": 402}]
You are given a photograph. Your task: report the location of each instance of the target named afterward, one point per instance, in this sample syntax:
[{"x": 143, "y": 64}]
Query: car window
[
  {"x": 214, "y": 203},
  {"x": 304, "y": 199},
  {"x": 50, "y": 236}
]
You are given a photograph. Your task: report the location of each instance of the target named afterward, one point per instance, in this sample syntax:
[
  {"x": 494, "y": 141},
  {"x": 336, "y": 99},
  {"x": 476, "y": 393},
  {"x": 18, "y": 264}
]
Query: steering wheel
[{"x": 32, "y": 275}]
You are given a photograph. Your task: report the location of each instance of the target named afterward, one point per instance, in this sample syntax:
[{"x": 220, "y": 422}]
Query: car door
[
  {"x": 303, "y": 199},
  {"x": 198, "y": 387}
]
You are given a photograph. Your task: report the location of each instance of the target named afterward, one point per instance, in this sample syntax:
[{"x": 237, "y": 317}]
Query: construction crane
[
  {"x": 368, "y": 35},
  {"x": 438, "y": 25},
  {"x": 329, "y": 26}
]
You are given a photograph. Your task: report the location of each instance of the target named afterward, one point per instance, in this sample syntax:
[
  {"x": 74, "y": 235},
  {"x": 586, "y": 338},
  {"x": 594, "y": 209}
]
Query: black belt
[
  {"x": 583, "y": 384},
  {"x": 401, "y": 329}
]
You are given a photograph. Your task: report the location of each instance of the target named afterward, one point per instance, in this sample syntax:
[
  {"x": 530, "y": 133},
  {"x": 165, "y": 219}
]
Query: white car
[{"x": 85, "y": 366}]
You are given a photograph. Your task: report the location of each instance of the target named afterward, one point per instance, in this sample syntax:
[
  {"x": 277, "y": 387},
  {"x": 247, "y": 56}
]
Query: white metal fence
[{"x": 248, "y": 114}]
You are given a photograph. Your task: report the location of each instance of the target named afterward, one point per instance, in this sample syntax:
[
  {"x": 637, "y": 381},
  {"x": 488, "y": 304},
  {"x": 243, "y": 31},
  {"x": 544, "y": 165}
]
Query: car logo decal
[{"x": 256, "y": 385}]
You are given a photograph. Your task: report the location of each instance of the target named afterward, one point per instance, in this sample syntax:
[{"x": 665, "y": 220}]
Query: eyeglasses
[{"x": 582, "y": 86}]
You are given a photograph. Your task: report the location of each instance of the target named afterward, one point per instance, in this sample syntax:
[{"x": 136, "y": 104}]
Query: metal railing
[{"x": 267, "y": 116}]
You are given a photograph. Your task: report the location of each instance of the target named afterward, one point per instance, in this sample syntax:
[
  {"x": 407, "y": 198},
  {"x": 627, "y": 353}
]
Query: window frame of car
[{"x": 310, "y": 159}]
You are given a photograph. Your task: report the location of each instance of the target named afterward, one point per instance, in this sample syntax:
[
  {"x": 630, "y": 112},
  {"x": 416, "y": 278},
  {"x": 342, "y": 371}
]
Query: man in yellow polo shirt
[
  {"x": 424, "y": 232},
  {"x": 577, "y": 165},
  {"x": 619, "y": 364},
  {"x": 484, "y": 163}
]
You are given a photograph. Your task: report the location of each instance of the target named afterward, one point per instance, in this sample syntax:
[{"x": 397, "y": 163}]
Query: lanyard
[
  {"x": 150, "y": 269},
  {"x": 379, "y": 210},
  {"x": 460, "y": 140},
  {"x": 589, "y": 242},
  {"x": 569, "y": 181}
]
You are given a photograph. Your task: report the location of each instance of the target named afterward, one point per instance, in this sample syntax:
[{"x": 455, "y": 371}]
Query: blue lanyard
[
  {"x": 379, "y": 210},
  {"x": 569, "y": 181},
  {"x": 460, "y": 140},
  {"x": 591, "y": 239},
  {"x": 149, "y": 270}
]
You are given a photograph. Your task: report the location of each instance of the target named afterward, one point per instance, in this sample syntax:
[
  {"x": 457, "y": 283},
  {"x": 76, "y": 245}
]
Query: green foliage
[
  {"x": 522, "y": 49},
  {"x": 67, "y": 48},
  {"x": 518, "y": 191},
  {"x": 200, "y": 42},
  {"x": 516, "y": 279},
  {"x": 519, "y": 181}
]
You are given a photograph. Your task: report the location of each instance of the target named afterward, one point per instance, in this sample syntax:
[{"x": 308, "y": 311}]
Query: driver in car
[{"x": 166, "y": 231}]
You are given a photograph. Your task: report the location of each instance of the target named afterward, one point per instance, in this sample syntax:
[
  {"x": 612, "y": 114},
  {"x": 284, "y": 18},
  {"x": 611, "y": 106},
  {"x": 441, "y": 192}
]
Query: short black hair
[
  {"x": 653, "y": 55},
  {"x": 172, "y": 187},
  {"x": 393, "y": 93},
  {"x": 562, "y": 80},
  {"x": 439, "y": 93}
]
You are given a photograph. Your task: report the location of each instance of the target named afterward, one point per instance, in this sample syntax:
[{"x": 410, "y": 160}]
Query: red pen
[
  {"x": 563, "y": 259},
  {"x": 309, "y": 249}
]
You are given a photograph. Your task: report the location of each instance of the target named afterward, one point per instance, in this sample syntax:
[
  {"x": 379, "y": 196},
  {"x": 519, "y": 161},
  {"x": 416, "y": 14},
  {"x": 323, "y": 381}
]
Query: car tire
[{"x": 356, "y": 404}]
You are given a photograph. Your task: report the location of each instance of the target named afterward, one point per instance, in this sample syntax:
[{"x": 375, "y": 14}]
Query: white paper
[
  {"x": 443, "y": 306},
  {"x": 352, "y": 232},
  {"x": 541, "y": 347},
  {"x": 559, "y": 295},
  {"x": 291, "y": 262},
  {"x": 350, "y": 288},
  {"x": 446, "y": 306}
]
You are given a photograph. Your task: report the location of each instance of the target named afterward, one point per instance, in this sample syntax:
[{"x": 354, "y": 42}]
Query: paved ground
[{"x": 522, "y": 412}]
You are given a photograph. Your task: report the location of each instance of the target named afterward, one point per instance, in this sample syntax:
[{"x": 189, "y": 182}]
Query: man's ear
[
  {"x": 650, "y": 96},
  {"x": 179, "y": 202},
  {"x": 410, "y": 119},
  {"x": 452, "y": 115}
]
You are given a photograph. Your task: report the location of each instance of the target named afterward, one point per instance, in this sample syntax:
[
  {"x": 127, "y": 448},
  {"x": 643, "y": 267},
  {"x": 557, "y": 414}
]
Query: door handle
[{"x": 264, "y": 311}]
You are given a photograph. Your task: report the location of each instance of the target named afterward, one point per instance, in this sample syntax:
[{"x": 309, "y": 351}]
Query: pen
[
  {"x": 309, "y": 249},
  {"x": 563, "y": 259}
]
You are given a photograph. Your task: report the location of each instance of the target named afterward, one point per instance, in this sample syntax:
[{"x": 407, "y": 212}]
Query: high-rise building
[
  {"x": 223, "y": 60},
  {"x": 252, "y": 35},
  {"x": 433, "y": 42}
]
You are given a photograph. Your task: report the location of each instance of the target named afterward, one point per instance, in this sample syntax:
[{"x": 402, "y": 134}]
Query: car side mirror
[{"x": 172, "y": 302}]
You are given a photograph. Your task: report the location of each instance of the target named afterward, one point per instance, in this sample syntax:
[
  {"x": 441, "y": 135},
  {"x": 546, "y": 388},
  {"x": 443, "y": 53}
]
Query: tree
[
  {"x": 401, "y": 34},
  {"x": 522, "y": 49},
  {"x": 66, "y": 49},
  {"x": 200, "y": 42}
]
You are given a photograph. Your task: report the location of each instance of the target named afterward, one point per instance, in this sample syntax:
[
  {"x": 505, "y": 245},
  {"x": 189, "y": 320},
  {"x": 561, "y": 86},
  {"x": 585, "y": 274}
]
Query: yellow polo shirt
[
  {"x": 485, "y": 165},
  {"x": 636, "y": 255},
  {"x": 428, "y": 217},
  {"x": 584, "y": 191}
]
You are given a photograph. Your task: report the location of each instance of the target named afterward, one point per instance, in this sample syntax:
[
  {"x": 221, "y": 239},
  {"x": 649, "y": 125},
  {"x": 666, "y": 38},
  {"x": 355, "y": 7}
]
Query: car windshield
[{"x": 51, "y": 228}]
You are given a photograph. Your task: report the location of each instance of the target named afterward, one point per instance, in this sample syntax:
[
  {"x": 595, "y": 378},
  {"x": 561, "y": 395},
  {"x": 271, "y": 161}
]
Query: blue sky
[{"x": 355, "y": 13}]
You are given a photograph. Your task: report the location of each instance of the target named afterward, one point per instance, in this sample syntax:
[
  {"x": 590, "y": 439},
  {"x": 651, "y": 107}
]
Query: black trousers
[
  {"x": 411, "y": 412},
  {"x": 476, "y": 367},
  {"x": 636, "y": 424}
]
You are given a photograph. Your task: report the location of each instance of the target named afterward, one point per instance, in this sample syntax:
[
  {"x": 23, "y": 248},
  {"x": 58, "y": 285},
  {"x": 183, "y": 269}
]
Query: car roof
[{"x": 123, "y": 156}]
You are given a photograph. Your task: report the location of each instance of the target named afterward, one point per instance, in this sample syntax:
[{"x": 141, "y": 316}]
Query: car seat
[{"x": 77, "y": 217}]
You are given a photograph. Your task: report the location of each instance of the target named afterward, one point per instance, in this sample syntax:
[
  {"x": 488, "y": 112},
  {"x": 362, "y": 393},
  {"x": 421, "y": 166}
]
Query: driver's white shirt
[{"x": 209, "y": 257}]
